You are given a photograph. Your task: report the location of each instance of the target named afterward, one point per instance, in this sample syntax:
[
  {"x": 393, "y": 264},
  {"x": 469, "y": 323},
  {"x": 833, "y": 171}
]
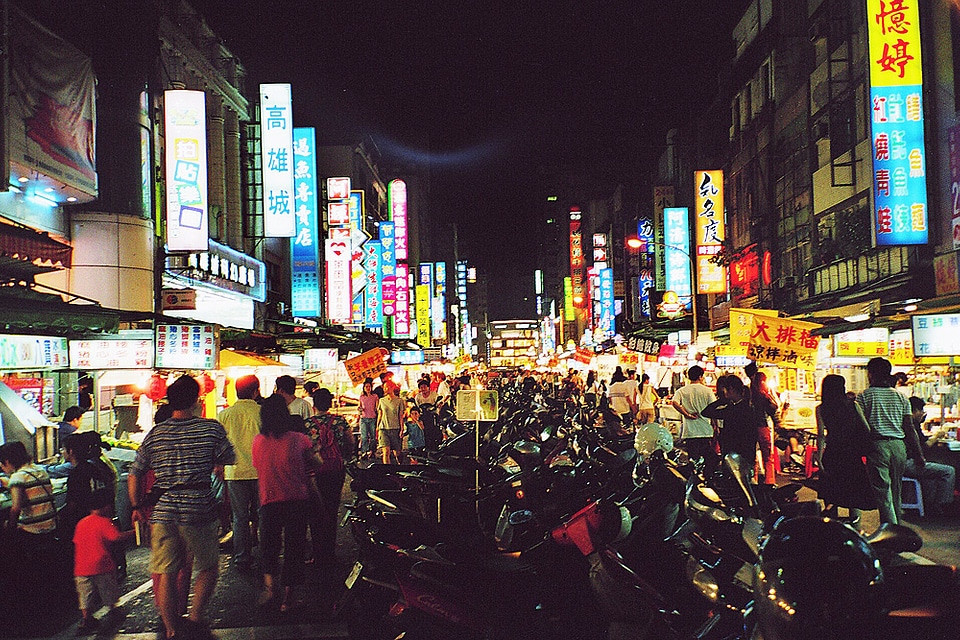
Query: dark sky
[{"x": 487, "y": 91}]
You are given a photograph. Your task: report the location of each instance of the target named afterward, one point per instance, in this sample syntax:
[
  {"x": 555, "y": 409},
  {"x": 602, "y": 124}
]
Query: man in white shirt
[
  {"x": 633, "y": 390},
  {"x": 287, "y": 387},
  {"x": 697, "y": 433}
]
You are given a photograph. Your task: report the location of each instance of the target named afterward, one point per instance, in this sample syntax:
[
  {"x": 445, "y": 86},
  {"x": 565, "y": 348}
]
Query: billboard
[
  {"x": 708, "y": 212},
  {"x": 397, "y": 195},
  {"x": 276, "y": 140},
  {"x": 185, "y": 163},
  {"x": 676, "y": 229},
  {"x": 305, "y": 283},
  {"x": 896, "y": 124}
]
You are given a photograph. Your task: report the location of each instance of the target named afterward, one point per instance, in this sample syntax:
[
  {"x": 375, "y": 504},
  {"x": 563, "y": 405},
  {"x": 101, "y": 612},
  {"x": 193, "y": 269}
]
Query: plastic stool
[
  {"x": 809, "y": 464},
  {"x": 917, "y": 502}
]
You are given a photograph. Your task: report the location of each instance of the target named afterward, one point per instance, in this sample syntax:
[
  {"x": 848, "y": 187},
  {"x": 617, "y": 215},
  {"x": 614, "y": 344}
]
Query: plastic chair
[
  {"x": 809, "y": 462},
  {"x": 917, "y": 502}
]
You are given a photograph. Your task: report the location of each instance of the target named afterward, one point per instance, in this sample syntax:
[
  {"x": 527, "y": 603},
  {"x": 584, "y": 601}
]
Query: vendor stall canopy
[{"x": 230, "y": 358}]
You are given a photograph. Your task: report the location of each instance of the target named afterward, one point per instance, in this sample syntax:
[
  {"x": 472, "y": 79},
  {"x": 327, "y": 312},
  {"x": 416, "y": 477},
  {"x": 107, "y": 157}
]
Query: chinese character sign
[
  {"x": 676, "y": 229},
  {"x": 953, "y": 148},
  {"x": 305, "y": 283},
  {"x": 711, "y": 277},
  {"x": 401, "y": 318},
  {"x": 936, "y": 334},
  {"x": 368, "y": 364},
  {"x": 663, "y": 198},
  {"x": 896, "y": 125},
  {"x": 373, "y": 267},
  {"x": 577, "y": 261},
  {"x": 422, "y": 310},
  {"x": 276, "y": 139},
  {"x": 182, "y": 346},
  {"x": 439, "y": 303},
  {"x": 569, "y": 315},
  {"x": 339, "y": 298},
  {"x": 388, "y": 266},
  {"x": 605, "y": 289},
  {"x": 783, "y": 342},
  {"x": 185, "y": 159},
  {"x": 338, "y": 188},
  {"x": 397, "y": 196}
]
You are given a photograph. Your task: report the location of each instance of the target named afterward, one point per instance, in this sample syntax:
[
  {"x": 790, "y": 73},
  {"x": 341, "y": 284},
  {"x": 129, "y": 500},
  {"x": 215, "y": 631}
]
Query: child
[
  {"x": 94, "y": 567},
  {"x": 415, "y": 438}
]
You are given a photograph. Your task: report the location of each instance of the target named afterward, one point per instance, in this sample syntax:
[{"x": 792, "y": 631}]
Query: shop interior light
[
  {"x": 72, "y": 199},
  {"x": 39, "y": 199},
  {"x": 23, "y": 179},
  {"x": 910, "y": 308},
  {"x": 860, "y": 317}
]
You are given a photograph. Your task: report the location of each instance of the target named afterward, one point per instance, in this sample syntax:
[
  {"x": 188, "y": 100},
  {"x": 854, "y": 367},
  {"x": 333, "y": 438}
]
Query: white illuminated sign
[
  {"x": 183, "y": 346},
  {"x": 276, "y": 138},
  {"x": 112, "y": 354},
  {"x": 185, "y": 159},
  {"x": 32, "y": 352}
]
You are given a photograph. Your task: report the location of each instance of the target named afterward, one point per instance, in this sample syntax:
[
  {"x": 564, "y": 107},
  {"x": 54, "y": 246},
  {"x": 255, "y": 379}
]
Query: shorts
[
  {"x": 389, "y": 438},
  {"x": 103, "y": 584},
  {"x": 172, "y": 544}
]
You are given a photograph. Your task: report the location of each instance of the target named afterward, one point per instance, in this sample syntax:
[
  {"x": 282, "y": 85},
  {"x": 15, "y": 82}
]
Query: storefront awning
[
  {"x": 25, "y": 310},
  {"x": 20, "y": 420},
  {"x": 25, "y": 251},
  {"x": 230, "y": 358}
]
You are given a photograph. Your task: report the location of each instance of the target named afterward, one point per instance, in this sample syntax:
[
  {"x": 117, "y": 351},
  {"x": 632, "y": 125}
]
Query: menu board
[
  {"x": 186, "y": 346},
  {"x": 111, "y": 354},
  {"x": 31, "y": 353}
]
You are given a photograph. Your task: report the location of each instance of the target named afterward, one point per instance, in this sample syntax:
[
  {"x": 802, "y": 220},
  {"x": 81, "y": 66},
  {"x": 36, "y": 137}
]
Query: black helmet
[{"x": 817, "y": 578}]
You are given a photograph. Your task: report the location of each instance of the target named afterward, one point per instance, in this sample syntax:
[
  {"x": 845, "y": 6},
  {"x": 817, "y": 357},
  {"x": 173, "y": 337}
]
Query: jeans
[
  {"x": 244, "y": 501},
  {"x": 936, "y": 481},
  {"x": 886, "y": 460},
  {"x": 368, "y": 435},
  {"x": 284, "y": 525}
]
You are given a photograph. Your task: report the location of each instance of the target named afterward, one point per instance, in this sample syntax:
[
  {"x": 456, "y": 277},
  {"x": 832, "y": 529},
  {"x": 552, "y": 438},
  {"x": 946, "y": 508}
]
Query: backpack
[{"x": 325, "y": 440}]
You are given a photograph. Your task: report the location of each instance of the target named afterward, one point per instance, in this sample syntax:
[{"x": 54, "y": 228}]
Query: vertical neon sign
[
  {"x": 305, "y": 283},
  {"x": 276, "y": 139},
  {"x": 676, "y": 230}
]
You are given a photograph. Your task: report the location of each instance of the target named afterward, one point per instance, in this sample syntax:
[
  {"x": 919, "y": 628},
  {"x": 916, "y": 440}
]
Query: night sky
[{"x": 487, "y": 92}]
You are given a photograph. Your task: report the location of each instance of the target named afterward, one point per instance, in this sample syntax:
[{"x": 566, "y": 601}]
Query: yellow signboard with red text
[
  {"x": 740, "y": 325},
  {"x": 783, "y": 342}
]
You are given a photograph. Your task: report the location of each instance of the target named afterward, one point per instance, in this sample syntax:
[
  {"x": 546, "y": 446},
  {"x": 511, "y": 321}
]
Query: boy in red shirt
[{"x": 94, "y": 568}]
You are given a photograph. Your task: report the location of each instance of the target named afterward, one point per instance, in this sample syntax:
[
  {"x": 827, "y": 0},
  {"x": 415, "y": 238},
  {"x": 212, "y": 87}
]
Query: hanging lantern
[
  {"x": 206, "y": 384},
  {"x": 156, "y": 388}
]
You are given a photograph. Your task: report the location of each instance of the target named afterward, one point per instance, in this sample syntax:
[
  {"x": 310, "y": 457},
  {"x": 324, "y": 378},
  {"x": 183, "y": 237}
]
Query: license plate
[{"x": 354, "y": 574}]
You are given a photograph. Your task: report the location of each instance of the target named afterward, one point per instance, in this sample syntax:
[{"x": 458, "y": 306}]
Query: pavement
[{"x": 233, "y": 613}]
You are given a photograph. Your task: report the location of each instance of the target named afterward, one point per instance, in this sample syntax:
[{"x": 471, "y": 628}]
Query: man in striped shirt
[
  {"x": 183, "y": 453},
  {"x": 889, "y": 417}
]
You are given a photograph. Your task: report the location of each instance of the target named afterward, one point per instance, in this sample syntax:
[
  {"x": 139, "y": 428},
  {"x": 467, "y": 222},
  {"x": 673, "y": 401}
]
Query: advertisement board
[
  {"x": 122, "y": 353},
  {"x": 31, "y": 353},
  {"x": 276, "y": 142},
  {"x": 304, "y": 277},
  {"x": 709, "y": 212},
  {"x": 186, "y": 346},
  {"x": 676, "y": 225},
  {"x": 397, "y": 196},
  {"x": 185, "y": 165}
]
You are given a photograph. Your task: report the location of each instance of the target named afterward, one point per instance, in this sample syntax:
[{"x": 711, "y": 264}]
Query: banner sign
[
  {"x": 583, "y": 356},
  {"x": 368, "y": 364},
  {"x": 373, "y": 266},
  {"x": 676, "y": 222},
  {"x": 388, "y": 264},
  {"x": 339, "y": 299},
  {"x": 276, "y": 151},
  {"x": 896, "y": 126},
  {"x": 96, "y": 355},
  {"x": 186, "y": 346},
  {"x": 783, "y": 342},
  {"x": 185, "y": 162},
  {"x": 663, "y": 199},
  {"x": 305, "y": 281},
  {"x": 641, "y": 344},
  {"x": 397, "y": 196},
  {"x": 33, "y": 352},
  {"x": 401, "y": 316},
  {"x": 740, "y": 325},
  {"x": 711, "y": 277}
]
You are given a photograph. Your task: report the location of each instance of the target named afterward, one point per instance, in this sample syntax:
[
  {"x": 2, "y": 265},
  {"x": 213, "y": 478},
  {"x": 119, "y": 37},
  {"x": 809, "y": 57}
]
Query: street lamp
[{"x": 638, "y": 244}]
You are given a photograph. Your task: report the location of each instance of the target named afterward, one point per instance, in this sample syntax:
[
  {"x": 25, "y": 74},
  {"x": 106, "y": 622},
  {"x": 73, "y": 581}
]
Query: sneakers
[{"x": 797, "y": 459}]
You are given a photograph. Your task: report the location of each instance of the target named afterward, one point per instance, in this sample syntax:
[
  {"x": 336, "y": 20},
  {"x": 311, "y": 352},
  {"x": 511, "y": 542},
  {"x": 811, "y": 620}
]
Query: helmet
[
  {"x": 652, "y": 437},
  {"x": 817, "y": 578}
]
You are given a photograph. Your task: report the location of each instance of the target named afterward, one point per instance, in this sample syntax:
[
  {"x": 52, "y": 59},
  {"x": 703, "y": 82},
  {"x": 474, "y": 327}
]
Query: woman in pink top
[
  {"x": 282, "y": 457},
  {"x": 367, "y": 408}
]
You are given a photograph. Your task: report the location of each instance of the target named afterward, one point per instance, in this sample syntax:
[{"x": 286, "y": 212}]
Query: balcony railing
[{"x": 874, "y": 266}]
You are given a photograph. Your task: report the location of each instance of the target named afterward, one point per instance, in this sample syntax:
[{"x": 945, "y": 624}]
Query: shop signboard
[
  {"x": 373, "y": 267},
  {"x": 569, "y": 314},
  {"x": 900, "y": 214},
  {"x": 647, "y": 345},
  {"x": 422, "y": 308},
  {"x": 607, "y": 322},
  {"x": 740, "y": 322},
  {"x": 358, "y": 237},
  {"x": 276, "y": 141},
  {"x": 953, "y": 148},
  {"x": 129, "y": 352},
  {"x": 320, "y": 359},
  {"x": 338, "y": 188},
  {"x": 864, "y": 343},
  {"x": 368, "y": 364},
  {"x": 401, "y": 317},
  {"x": 583, "y": 356},
  {"x": 397, "y": 196},
  {"x": 438, "y": 309},
  {"x": 901, "y": 347},
  {"x": 663, "y": 198},
  {"x": 577, "y": 260},
  {"x": 388, "y": 266},
  {"x": 676, "y": 222},
  {"x": 33, "y": 353},
  {"x": 936, "y": 334},
  {"x": 185, "y": 163},
  {"x": 305, "y": 280},
  {"x": 339, "y": 299},
  {"x": 711, "y": 277},
  {"x": 945, "y": 272},
  {"x": 186, "y": 346},
  {"x": 783, "y": 342},
  {"x": 413, "y": 356},
  {"x": 478, "y": 405}
]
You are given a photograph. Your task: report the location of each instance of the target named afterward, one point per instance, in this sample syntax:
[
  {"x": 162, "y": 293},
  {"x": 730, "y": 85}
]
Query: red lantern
[
  {"x": 156, "y": 388},
  {"x": 206, "y": 384}
]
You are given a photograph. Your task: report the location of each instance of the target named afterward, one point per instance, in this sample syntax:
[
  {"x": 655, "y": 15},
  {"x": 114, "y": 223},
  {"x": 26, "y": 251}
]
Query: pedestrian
[
  {"x": 937, "y": 480},
  {"x": 427, "y": 402},
  {"x": 892, "y": 433},
  {"x": 94, "y": 568},
  {"x": 633, "y": 392},
  {"x": 309, "y": 388},
  {"x": 287, "y": 388},
  {"x": 443, "y": 387},
  {"x": 390, "y": 412},
  {"x": 415, "y": 431},
  {"x": 70, "y": 423},
  {"x": 183, "y": 452},
  {"x": 696, "y": 434},
  {"x": 333, "y": 442},
  {"x": 647, "y": 399},
  {"x": 591, "y": 391},
  {"x": 282, "y": 456},
  {"x": 741, "y": 422},
  {"x": 766, "y": 404},
  {"x": 32, "y": 511},
  {"x": 241, "y": 421},
  {"x": 367, "y": 408},
  {"x": 842, "y": 442},
  {"x": 621, "y": 399},
  {"x": 89, "y": 478}
]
